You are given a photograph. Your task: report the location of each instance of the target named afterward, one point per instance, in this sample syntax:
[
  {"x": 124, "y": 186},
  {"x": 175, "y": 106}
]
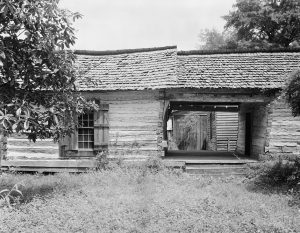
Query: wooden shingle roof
[
  {"x": 164, "y": 67},
  {"x": 260, "y": 70},
  {"x": 135, "y": 69}
]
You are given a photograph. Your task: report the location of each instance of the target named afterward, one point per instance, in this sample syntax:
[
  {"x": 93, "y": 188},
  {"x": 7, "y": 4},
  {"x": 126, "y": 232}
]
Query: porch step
[{"x": 213, "y": 169}]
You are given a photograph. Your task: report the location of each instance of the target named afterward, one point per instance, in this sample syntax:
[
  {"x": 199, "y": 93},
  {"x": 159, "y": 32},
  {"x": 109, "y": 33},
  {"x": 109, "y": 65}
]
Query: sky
[{"x": 126, "y": 24}]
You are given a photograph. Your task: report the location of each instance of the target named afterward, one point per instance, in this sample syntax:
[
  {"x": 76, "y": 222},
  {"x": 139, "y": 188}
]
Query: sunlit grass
[{"x": 136, "y": 200}]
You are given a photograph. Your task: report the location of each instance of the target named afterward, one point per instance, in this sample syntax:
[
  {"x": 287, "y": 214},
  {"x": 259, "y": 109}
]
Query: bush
[
  {"x": 102, "y": 160},
  {"x": 155, "y": 164},
  {"x": 281, "y": 172}
]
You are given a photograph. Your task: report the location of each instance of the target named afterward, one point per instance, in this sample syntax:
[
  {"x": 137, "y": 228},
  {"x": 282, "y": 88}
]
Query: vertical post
[{"x": 228, "y": 144}]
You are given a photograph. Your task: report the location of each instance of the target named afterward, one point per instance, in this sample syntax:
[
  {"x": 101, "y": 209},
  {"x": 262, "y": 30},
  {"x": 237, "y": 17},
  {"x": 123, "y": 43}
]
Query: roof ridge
[
  {"x": 238, "y": 51},
  {"x": 122, "y": 51}
]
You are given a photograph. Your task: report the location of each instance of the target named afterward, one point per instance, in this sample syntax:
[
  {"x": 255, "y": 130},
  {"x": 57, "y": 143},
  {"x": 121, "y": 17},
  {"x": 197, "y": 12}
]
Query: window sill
[{"x": 82, "y": 149}]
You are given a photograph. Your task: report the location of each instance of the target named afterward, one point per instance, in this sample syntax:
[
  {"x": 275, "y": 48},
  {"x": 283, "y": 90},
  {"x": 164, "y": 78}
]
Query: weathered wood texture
[
  {"x": 190, "y": 129},
  {"x": 135, "y": 123},
  {"x": 133, "y": 127},
  {"x": 221, "y": 96},
  {"x": 259, "y": 123},
  {"x": 226, "y": 130},
  {"x": 3, "y": 146},
  {"x": 283, "y": 131},
  {"x": 240, "y": 145},
  {"x": 53, "y": 165}
]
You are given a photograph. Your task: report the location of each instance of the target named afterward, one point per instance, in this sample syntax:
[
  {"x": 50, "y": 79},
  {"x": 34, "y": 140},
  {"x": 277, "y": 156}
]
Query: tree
[
  {"x": 257, "y": 24},
  {"x": 211, "y": 39},
  {"x": 37, "y": 76},
  {"x": 265, "y": 23},
  {"x": 292, "y": 92}
]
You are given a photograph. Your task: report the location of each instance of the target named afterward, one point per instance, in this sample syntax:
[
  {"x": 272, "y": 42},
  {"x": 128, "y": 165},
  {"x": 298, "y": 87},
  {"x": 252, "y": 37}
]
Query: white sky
[{"x": 123, "y": 24}]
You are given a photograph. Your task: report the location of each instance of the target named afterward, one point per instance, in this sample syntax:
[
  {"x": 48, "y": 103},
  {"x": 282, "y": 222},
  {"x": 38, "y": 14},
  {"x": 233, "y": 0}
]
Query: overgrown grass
[{"x": 143, "y": 200}]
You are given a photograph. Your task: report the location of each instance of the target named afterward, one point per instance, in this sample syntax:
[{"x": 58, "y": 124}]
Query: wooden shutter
[
  {"x": 101, "y": 127},
  {"x": 71, "y": 142}
]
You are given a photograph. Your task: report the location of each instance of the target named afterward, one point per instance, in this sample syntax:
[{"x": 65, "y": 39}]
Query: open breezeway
[{"x": 216, "y": 130}]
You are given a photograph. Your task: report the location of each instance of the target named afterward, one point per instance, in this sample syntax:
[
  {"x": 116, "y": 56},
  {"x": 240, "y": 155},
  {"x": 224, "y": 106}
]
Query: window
[{"x": 86, "y": 131}]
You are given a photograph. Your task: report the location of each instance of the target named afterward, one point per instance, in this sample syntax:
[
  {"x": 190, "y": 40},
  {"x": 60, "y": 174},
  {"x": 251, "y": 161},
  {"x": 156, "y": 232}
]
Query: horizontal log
[
  {"x": 54, "y": 163},
  {"x": 120, "y": 127}
]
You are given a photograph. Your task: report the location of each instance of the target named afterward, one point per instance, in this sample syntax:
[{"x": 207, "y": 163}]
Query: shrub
[
  {"x": 281, "y": 172},
  {"x": 11, "y": 197},
  {"x": 155, "y": 164},
  {"x": 102, "y": 160}
]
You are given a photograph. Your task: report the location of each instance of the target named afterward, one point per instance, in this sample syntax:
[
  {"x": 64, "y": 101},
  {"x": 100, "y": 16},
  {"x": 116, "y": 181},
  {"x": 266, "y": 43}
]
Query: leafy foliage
[
  {"x": 265, "y": 23},
  {"x": 293, "y": 92},
  {"x": 36, "y": 72},
  {"x": 10, "y": 197},
  {"x": 257, "y": 24},
  {"x": 211, "y": 39}
]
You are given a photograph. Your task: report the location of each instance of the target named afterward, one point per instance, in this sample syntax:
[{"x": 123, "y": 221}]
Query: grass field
[{"x": 136, "y": 200}]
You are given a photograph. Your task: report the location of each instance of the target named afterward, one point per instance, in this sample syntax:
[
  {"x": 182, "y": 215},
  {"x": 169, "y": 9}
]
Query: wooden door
[
  {"x": 195, "y": 138},
  {"x": 201, "y": 135}
]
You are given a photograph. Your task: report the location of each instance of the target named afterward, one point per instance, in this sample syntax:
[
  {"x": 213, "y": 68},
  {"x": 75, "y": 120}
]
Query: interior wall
[
  {"x": 240, "y": 145},
  {"x": 259, "y": 126}
]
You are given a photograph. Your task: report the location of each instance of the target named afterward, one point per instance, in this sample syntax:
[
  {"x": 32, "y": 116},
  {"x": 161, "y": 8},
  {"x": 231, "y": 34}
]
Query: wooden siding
[
  {"x": 134, "y": 122},
  {"x": 259, "y": 126},
  {"x": 133, "y": 128},
  {"x": 283, "y": 131},
  {"x": 226, "y": 129}
]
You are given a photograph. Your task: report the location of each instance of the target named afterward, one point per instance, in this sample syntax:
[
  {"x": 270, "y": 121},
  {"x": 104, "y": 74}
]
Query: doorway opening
[{"x": 206, "y": 130}]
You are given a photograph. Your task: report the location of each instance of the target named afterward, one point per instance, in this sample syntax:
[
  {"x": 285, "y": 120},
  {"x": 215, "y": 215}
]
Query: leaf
[
  {"x": 17, "y": 191},
  {"x": 55, "y": 119},
  {"x": 7, "y": 199},
  {"x": 2, "y": 55},
  {"x": 26, "y": 124},
  {"x": 18, "y": 112},
  {"x": 14, "y": 127},
  {"x": 4, "y": 191}
]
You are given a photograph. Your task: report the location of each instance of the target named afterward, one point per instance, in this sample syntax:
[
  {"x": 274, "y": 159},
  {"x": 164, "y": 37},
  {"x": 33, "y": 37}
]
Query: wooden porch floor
[
  {"x": 173, "y": 159},
  {"x": 50, "y": 165},
  {"x": 207, "y": 157}
]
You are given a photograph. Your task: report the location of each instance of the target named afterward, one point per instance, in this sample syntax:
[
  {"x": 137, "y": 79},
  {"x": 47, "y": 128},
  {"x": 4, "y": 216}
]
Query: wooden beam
[
  {"x": 203, "y": 106},
  {"x": 53, "y": 163}
]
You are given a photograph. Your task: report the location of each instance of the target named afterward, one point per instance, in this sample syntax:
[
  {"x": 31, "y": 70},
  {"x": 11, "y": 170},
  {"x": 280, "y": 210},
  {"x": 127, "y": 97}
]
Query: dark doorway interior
[{"x": 248, "y": 134}]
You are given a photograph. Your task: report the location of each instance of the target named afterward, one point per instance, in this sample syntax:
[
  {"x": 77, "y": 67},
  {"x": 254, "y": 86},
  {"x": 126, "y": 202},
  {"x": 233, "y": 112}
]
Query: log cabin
[{"x": 140, "y": 90}]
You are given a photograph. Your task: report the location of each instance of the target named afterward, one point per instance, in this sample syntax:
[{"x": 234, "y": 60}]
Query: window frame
[{"x": 90, "y": 126}]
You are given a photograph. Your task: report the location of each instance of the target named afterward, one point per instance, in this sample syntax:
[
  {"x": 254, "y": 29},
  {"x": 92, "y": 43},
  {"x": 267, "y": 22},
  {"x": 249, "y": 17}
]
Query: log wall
[
  {"x": 283, "y": 131},
  {"x": 135, "y": 123}
]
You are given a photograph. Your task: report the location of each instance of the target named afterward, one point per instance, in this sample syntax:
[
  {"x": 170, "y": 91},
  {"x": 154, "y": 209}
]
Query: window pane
[{"x": 86, "y": 131}]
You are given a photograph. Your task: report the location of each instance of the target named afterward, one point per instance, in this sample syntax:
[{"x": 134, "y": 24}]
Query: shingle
[
  {"x": 162, "y": 68},
  {"x": 244, "y": 70},
  {"x": 150, "y": 69}
]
